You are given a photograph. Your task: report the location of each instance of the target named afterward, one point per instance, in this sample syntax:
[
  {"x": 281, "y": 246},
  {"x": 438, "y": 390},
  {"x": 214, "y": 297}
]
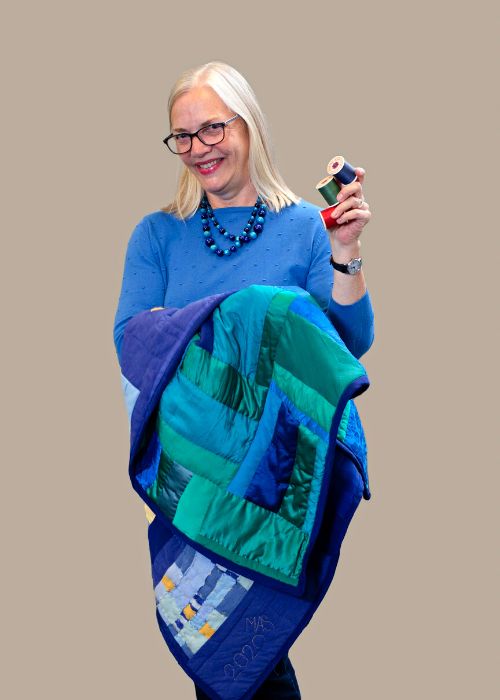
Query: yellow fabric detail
[
  {"x": 189, "y": 613},
  {"x": 168, "y": 583},
  {"x": 149, "y": 513},
  {"x": 206, "y": 630}
]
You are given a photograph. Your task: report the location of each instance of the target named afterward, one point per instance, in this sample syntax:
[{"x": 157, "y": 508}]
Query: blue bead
[
  {"x": 260, "y": 219},
  {"x": 222, "y": 229},
  {"x": 258, "y": 228},
  {"x": 216, "y": 224},
  {"x": 251, "y": 219},
  {"x": 213, "y": 247},
  {"x": 253, "y": 234},
  {"x": 209, "y": 242},
  {"x": 206, "y": 227},
  {"x": 232, "y": 237},
  {"x": 262, "y": 212},
  {"x": 237, "y": 244},
  {"x": 227, "y": 251},
  {"x": 226, "y": 234},
  {"x": 246, "y": 239},
  {"x": 233, "y": 249},
  {"x": 247, "y": 228},
  {"x": 207, "y": 232},
  {"x": 219, "y": 252}
]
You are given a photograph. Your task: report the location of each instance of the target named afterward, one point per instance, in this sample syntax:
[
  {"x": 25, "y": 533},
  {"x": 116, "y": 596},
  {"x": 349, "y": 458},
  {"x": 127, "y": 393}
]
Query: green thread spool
[{"x": 329, "y": 188}]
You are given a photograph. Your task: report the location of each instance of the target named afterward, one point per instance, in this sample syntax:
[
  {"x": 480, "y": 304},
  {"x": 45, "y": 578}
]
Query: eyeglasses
[{"x": 208, "y": 135}]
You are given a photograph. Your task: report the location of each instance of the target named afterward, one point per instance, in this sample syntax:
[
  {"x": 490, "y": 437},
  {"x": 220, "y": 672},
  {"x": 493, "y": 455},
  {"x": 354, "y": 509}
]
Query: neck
[{"x": 244, "y": 198}]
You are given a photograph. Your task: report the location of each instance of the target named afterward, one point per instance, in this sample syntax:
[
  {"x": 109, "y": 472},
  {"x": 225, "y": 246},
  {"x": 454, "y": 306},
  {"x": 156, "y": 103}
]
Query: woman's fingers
[
  {"x": 352, "y": 203},
  {"x": 360, "y": 173},
  {"x": 354, "y": 189},
  {"x": 363, "y": 215}
]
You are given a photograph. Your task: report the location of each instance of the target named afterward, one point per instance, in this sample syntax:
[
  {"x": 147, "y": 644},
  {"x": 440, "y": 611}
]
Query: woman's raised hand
[{"x": 352, "y": 214}]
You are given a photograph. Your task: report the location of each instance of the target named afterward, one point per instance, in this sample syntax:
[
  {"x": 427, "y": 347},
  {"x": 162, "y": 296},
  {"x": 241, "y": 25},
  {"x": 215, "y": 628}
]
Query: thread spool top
[
  {"x": 335, "y": 165},
  {"x": 324, "y": 181}
]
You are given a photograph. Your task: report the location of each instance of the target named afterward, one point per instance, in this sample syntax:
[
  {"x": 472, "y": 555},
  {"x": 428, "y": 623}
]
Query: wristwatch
[{"x": 351, "y": 268}]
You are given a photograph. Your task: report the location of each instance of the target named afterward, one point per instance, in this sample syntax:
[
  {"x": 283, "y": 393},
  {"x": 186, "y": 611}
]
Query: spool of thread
[
  {"x": 329, "y": 188},
  {"x": 341, "y": 170},
  {"x": 326, "y": 217}
]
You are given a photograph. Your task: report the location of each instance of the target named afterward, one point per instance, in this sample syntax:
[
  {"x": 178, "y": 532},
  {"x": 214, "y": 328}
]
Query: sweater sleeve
[
  {"x": 354, "y": 322},
  {"x": 144, "y": 281}
]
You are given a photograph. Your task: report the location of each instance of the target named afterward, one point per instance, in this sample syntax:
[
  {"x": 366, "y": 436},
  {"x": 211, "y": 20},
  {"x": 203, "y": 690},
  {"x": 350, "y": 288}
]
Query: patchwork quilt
[{"x": 248, "y": 450}]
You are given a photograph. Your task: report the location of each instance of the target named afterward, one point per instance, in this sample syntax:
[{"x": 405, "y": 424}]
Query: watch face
[{"x": 354, "y": 266}]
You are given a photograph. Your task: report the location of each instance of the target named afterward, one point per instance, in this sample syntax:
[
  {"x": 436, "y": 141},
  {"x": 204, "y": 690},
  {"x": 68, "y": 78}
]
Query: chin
[{"x": 214, "y": 188}]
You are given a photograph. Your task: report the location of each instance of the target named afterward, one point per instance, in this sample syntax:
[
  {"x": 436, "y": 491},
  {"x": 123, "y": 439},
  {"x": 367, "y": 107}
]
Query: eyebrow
[{"x": 213, "y": 120}]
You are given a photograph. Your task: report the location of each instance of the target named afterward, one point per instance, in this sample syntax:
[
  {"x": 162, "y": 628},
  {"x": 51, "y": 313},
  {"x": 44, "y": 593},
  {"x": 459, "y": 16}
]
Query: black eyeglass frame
[{"x": 197, "y": 133}]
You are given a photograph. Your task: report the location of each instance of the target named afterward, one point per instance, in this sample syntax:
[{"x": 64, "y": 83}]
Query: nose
[{"x": 198, "y": 148}]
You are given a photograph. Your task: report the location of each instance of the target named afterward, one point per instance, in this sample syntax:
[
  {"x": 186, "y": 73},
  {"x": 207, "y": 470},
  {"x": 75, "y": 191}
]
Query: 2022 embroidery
[{"x": 257, "y": 627}]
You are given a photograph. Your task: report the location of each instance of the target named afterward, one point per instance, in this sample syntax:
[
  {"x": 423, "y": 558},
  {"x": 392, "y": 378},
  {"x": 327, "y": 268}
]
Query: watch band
[{"x": 351, "y": 268}]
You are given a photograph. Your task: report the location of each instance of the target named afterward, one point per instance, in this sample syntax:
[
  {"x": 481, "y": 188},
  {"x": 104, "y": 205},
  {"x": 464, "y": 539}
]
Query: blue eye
[{"x": 211, "y": 128}]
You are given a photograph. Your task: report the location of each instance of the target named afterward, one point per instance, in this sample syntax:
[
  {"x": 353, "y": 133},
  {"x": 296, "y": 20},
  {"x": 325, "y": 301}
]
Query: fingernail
[{"x": 340, "y": 197}]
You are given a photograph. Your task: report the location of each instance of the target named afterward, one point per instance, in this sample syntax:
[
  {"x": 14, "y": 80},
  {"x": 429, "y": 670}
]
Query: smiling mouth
[{"x": 208, "y": 166}]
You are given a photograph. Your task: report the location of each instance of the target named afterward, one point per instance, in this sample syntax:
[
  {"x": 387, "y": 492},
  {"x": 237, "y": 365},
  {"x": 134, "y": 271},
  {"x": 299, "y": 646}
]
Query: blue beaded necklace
[{"x": 254, "y": 227}]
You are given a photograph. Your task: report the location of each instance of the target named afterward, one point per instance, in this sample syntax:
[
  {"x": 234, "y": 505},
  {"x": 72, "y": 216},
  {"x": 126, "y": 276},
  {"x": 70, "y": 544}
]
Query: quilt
[{"x": 248, "y": 451}]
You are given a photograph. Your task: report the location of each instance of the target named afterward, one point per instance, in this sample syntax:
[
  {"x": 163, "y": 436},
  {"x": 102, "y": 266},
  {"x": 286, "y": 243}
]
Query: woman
[{"x": 233, "y": 223}]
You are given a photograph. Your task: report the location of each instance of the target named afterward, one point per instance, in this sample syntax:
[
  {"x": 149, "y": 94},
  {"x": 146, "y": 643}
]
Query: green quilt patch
[
  {"x": 223, "y": 382},
  {"x": 241, "y": 530}
]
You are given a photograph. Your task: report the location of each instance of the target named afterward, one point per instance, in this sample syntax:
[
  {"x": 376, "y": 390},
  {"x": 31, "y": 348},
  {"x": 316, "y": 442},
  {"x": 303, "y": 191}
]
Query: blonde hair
[{"x": 236, "y": 93}]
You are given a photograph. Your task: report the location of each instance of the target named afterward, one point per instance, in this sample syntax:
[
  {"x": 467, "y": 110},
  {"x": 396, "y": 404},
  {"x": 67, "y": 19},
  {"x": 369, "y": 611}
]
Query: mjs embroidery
[{"x": 257, "y": 627}]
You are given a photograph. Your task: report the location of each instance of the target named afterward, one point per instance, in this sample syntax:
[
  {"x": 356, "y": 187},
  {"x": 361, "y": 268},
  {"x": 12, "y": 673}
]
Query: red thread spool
[{"x": 326, "y": 217}]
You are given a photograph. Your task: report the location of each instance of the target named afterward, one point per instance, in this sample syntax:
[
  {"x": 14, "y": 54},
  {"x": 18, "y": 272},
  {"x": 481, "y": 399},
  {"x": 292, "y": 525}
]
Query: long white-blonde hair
[{"x": 236, "y": 93}]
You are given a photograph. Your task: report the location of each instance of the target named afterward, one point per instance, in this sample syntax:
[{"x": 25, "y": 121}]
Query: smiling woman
[
  {"x": 221, "y": 167},
  {"x": 216, "y": 93},
  {"x": 233, "y": 222}
]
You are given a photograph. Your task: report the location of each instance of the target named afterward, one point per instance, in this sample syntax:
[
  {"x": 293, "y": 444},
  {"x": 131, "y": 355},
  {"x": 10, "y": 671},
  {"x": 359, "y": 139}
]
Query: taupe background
[{"x": 403, "y": 89}]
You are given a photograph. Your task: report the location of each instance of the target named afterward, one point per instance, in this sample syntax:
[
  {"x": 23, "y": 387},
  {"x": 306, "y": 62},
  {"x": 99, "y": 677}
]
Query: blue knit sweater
[{"x": 168, "y": 264}]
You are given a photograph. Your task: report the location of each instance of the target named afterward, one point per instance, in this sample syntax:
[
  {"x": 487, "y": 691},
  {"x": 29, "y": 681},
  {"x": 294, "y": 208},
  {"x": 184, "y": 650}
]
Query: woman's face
[{"x": 226, "y": 180}]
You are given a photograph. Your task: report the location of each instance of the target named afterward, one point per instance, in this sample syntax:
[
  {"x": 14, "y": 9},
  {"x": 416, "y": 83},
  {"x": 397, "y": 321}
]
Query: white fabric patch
[{"x": 130, "y": 394}]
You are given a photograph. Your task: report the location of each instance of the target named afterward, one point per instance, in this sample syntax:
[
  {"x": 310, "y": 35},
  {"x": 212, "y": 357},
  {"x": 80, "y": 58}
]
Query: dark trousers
[{"x": 281, "y": 684}]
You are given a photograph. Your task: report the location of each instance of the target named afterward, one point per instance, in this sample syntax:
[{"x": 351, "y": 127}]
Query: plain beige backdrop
[{"x": 402, "y": 89}]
